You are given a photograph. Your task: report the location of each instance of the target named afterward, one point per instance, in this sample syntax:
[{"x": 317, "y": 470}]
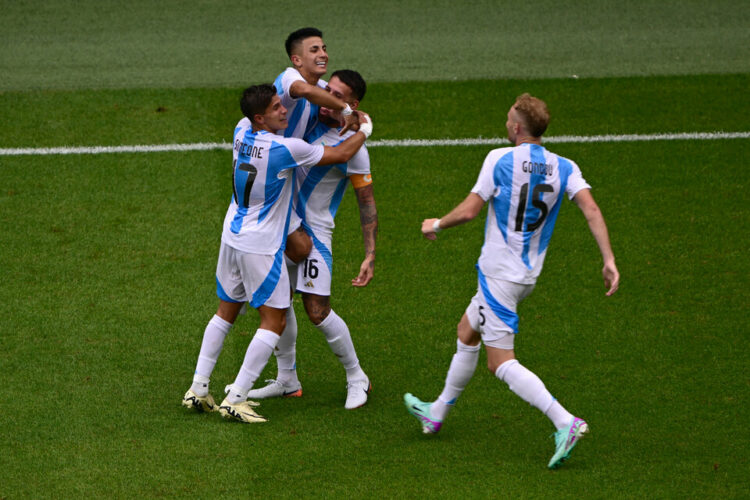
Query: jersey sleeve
[
  {"x": 485, "y": 185},
  {"x": 576, "y": 182},
  {"x": 359, "y": 163},
  {"x": 283, "y": 83},
  {"x": 304, "y": 154}
]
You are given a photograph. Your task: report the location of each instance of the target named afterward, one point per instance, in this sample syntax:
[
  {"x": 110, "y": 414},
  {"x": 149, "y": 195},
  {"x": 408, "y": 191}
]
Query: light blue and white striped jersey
[
  {"x": 321, "y": 189},
  {"x": 524, "y": 185},
  {"x": 301, "y": 113},
  {"x": 262, "y": 178}
]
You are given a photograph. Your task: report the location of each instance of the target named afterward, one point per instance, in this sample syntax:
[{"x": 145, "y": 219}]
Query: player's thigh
[
  {"x": 466, "y": 333},
  {"x": 496, "y": 332},
  {"x": 298, "y": 243},
  {"x": 266, "y": 280},
  {"x": 315, "y": 272}
]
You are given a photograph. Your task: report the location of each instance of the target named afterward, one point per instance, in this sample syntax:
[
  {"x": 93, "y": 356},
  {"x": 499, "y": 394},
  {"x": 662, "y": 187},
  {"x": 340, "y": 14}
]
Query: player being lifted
[
  {"x": 320, "y": 193},
  {"x": 524, "y": 186},
  {"x": 301, "y": 88},
  {"x": 251, "y": 266},
  {"x": 302, "y": 91}
]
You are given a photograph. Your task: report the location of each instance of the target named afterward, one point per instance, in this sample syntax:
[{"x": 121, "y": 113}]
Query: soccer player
[
  {"x": 524, "y": 186},
  {"x": 320, "y": 193},
  {"x": 250, "y": 265},
  {"x": 300, "y": 87},
  {"x": 302, "y": 93}
]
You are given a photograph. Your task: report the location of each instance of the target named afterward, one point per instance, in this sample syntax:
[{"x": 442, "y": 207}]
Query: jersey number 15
[{"x": 536, "y": 200}]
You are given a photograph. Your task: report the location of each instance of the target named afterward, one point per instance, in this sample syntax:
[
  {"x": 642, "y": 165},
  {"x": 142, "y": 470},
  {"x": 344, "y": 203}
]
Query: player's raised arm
[
  {"x": 464, "y": 212},
  {"x": 598, "y": 227},
  {"x": 368, "y": 219},
  {"x": 344, "y": 151},
  {"x": 322, "y": 98}
]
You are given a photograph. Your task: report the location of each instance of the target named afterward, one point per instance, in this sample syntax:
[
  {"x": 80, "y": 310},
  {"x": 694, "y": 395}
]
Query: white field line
[{"x": 479, "y": 141}]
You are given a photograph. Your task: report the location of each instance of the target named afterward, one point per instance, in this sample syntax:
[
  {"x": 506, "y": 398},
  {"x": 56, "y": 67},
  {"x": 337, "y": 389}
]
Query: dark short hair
[
  {"x": 256, "y": 99},
  {"x": 353, "y": 80},
  {"x": 295, "y": 38}
]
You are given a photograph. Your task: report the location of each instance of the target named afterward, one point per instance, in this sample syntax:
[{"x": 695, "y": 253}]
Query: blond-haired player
[{"x": 524, "y": 185}]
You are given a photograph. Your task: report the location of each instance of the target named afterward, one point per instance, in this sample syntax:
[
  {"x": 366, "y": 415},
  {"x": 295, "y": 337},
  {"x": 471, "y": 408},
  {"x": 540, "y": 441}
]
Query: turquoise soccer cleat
[
  {"x": 421, "y": 411},
  {"x": 565, "y": 439}
]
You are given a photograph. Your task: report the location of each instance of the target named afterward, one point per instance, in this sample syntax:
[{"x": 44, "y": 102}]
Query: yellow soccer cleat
[
  {"x": 241, "y": 411},
  {"x": 198, "y": 403}
]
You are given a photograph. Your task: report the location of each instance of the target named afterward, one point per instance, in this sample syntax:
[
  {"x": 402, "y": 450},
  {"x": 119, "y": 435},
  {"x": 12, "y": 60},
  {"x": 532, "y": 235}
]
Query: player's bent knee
[
  {"x": 317, "y": 307},
  {"x": 466, "y": 332},
  {"x": 298, "y": 246},
  {"x": 272, "y": 319},
  {"x": 496, "y": 356},
  {"x": 318, "y": 314}
]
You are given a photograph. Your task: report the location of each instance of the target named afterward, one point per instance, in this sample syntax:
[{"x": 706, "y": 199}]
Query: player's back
[
  {"x": 528, "y": 183},
  {"x": 262, "y": 188}
]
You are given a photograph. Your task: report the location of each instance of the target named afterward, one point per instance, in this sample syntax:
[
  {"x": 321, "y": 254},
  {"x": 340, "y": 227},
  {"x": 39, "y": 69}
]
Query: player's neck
[
  {"x": 309, "y": 77},
  {"x": 257, "y": 128},
  {"x": 528, "y": 140}
]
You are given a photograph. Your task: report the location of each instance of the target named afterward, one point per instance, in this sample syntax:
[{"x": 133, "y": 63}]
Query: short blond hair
[{"x": 533, "y": 112}]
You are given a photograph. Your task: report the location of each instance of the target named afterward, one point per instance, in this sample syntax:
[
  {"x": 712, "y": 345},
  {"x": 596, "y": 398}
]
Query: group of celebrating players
[{"x": 298, "y": 147}]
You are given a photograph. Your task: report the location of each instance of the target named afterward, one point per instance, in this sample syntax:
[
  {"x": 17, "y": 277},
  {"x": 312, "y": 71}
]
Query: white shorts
[
  {"x": 295, "y": 221},
  {"x": 248, "y": 277},
  {"x": 314, "y": 273},
  {"x": 492, "y": 311}
]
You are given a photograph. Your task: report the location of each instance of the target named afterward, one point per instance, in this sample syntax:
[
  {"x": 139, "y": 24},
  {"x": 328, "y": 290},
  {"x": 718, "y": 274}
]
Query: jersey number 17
[{"x": 251, "y": 173}]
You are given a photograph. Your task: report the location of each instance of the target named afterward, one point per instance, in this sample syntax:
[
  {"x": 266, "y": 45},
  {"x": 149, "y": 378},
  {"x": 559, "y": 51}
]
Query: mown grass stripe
[{"x": 479, "y": 141}]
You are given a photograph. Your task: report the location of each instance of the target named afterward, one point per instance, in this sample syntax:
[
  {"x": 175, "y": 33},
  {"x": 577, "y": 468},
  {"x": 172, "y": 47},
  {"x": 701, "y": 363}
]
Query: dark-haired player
[
  {"x": 320, "y": 193},
  {"x": 251, "y": 266}
]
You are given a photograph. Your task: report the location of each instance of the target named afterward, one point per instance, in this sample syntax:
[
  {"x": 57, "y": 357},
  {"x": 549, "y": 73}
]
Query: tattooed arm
[{"x": 368, "y": 219}]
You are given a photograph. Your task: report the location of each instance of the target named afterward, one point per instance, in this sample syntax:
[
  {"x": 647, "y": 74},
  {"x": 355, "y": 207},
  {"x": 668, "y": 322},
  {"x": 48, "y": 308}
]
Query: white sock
[
  {"x": 531, "y": 389},
  {"x": 256, "y": 357},
  {"x": 286, "y": 351},
  {"x": 200, "y": 385},
  {"x": 462, "y": 368},
  {"x": 560, "y": 416},
  {"x": 213, "y": 341},
  {"x": 340, "y": 340}
]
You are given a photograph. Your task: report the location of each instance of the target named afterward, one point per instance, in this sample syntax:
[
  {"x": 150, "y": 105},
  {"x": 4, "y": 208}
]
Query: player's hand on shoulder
[
  {"x": 362, "y": 117},
  {"x": 365, "y": 123},
  {"x": 350, "y": 122}
]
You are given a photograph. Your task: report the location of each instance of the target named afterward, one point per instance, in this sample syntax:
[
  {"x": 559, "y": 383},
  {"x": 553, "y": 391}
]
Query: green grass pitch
[{"x": 107, "y": 261}]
